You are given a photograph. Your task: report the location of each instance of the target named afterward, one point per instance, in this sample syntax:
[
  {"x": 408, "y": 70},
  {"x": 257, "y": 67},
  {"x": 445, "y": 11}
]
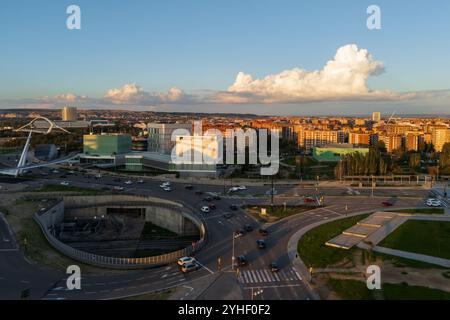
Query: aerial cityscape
[{"x": 326, "y": 181}]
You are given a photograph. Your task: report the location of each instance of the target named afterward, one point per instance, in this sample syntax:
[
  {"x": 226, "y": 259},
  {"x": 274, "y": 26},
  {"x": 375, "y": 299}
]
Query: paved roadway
[{"x": 16, "y": 273}]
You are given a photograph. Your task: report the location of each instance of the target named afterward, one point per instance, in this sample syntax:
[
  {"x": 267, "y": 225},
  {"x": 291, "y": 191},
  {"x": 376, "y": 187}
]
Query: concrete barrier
[{"x": 55, "y": 214}]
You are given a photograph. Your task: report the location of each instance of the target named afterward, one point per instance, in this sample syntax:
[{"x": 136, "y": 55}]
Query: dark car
[
  {"x": 242, "y": 261},
  {"x": 198, "y": 192},
  {"x": 387, "y": 204},
  {"x": 228, "y": 215},
  {"x": 263, "y": 232},
  {"x": 261, "y": 244},
  {"x": 274, "y": 267},
  {"x": 189, "y": 187},
  {"x": 207, "y": 199},
  {"x": 248, "y": 228},
  {"x": 212, "y": 206},
  {"x": 217, "y": 198},
  {"x": 233, "y": 207}
]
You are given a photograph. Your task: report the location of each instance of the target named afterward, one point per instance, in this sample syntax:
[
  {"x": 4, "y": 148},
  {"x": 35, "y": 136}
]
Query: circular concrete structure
[{"x": 165, "y": 214}]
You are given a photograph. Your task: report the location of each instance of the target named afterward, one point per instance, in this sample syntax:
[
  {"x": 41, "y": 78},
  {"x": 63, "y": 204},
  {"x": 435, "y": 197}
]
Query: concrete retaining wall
[{"x": 55, "y": 215}]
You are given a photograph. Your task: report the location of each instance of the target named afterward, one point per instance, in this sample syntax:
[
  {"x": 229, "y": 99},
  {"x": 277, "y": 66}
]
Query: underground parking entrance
[{"x": 122, "y": 230}]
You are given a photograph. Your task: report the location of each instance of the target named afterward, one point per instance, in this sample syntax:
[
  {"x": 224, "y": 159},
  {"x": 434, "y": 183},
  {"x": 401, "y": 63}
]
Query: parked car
[
  {"x": 128, "y": 182},
  {"x": 242, "y": 188},
  {"x": 261, "y": 244},
  {"x": 140, "y": 181},
  {"x": 117, "y": 188},
  {"x": 212, "y": 206},
  {"x": 263, "y": 232},
  {"x": 188, "y": 267},
  {"x": 185, "y": 260},
  {"x": 207, "y": 199},
  {"x": 64, "y": 183},
  {"x": 189, "y": 187},
  {"x": 233, "y": 207},
  {"x": 216, "y": 197},
  {"x": 168, "y": 189},
  {"x": 198, "y": 192},
  {"x": 248, "y": 228},
  {"x": 205, "y": 209}
]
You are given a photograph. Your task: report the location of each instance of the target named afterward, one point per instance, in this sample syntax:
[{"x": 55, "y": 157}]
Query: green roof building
[{"x": 333, "y": 153}]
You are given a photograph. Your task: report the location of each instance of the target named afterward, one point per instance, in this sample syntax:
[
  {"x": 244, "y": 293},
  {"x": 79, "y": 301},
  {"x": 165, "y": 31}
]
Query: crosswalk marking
[{"x": 265, "y": 276}]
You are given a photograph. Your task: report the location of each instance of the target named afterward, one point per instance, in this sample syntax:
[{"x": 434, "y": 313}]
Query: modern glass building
[{"x": 106, "y": 145}]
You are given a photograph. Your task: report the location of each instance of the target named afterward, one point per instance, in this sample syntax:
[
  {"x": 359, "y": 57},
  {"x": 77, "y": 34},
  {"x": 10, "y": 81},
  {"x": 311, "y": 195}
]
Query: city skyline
[{"x": 190, "y": 58}]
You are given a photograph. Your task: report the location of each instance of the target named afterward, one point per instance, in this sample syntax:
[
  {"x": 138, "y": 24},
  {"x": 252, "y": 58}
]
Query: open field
[
  {"x": 425, "y": 237},
  {"x": 357, "y": 290},
  {"x": 312, "y": 248}
]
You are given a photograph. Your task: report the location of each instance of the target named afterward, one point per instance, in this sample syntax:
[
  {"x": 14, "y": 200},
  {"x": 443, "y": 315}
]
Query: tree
[{"x": 444, "y": 158}]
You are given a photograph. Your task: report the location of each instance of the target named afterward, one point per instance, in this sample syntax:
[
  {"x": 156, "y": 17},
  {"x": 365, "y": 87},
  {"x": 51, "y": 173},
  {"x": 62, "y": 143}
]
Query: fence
[{"x": 120, "y": 263}]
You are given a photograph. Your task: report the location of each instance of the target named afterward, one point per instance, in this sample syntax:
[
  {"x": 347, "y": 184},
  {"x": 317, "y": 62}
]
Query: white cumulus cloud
[
  {"x": 343, "y": 77},
  {"x": 134, "y": 94}
]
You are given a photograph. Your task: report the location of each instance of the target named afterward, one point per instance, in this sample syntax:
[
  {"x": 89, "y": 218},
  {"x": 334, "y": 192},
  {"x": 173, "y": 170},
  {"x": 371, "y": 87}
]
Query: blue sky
[{"x": 201, "y": 45}]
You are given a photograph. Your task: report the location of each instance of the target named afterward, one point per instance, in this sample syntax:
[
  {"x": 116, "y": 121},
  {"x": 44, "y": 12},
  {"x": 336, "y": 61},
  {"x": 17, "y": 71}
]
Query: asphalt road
[{"x": 16, "y": 273}]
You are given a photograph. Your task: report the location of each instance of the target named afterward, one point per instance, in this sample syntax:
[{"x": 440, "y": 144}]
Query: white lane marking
[
  {"x": 263, "y": 275},
  {"x": 254, "y": 276},
  {"x": 276, "y": 276},
  {"x": 297, "y": 274},
  {"x": 249, "y": 276},
  {"x": 209, "y": 270},
  {"x": 268, "y": 275}
]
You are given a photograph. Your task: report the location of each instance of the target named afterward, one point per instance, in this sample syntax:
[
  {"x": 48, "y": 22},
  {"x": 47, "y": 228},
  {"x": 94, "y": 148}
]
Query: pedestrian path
[{"x": 267, "y": 277}]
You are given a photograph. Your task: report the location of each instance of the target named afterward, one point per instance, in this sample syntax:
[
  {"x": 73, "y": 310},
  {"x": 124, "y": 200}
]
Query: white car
[
  {"x": 185, "y": 260},
  {"x": 140, "y": 181},
  {"x": 233, "y": 189},
  {"x": 118, "y": 188},
  {"x": 242, "y": 188},
  {"x": 205, "y": 209},
  {"x": 168, "y": 189},
  {"x": 434, "y": 203},
  {"x": 128, "y": 182},
  {"x": 64, "y": 183}
]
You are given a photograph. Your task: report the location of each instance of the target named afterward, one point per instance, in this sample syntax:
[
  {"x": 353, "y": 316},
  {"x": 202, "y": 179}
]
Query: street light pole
[{"x": 232, "y": 256}]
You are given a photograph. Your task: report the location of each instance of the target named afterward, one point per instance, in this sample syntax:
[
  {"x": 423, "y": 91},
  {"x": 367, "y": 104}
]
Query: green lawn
[
  {"x": 421, "y": 210},
  {"x": 312, "y": 248},
  {"x": 357, "y": 290},
  {"x": 425, "y": 237},
  {"x": 277, "y": 212}
]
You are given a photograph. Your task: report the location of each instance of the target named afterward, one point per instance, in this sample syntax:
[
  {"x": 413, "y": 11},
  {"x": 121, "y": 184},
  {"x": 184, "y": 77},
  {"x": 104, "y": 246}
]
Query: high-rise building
[
  {"x": 391, "y": 142},
  {"x": 317, "y": 138},
  {"x": 69, "y": 114},
  {"x": 376, "y": 116},
  {"x": 359, "y": 138},
  {"x": 439, "y": 137},
  {"x": 412, "y": 141},
  {"x": 160, "y": 136}
]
